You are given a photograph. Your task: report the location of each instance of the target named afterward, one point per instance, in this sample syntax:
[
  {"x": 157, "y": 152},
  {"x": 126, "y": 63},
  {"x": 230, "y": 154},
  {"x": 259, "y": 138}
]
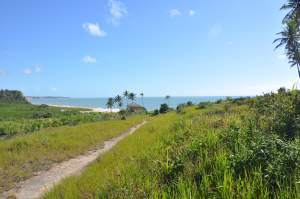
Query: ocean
[{"x": 150, "y": 103}]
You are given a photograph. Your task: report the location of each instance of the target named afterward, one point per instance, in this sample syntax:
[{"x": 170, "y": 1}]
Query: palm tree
[
  {"x": 289, "y": 38},
  {"x": 131, "y": 97},
  {"x": 126, "y": 95},
  {"x": 168, "y": 99},
  {"x": 118, "y": 99},
  {"x": 110, "y": 103},
  {"x": 142, "y": 96},
  {"x": 293, "y": 7}
]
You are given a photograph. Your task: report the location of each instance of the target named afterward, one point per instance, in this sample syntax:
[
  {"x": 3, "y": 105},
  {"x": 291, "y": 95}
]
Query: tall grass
[
  {"x": 111, "y": 165},
  {"x": 21, "y": 156},
  {"x": 214, "y": 151}
]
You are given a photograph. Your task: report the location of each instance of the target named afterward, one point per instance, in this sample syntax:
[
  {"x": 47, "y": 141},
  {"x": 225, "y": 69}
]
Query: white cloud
[
  {"x": 192, "y": 12},
  {"x": 174, "y": 12},
  {"x": 38, "y": 68},
  {"x": 94, "y": 29},
  {"x": 117, "y": 10},
  {"x": 89, "y": 59},
  {"x": 215, "y": 30},
  {"x": 27, "y": 71},
  {"x": 2, "y": 72}
]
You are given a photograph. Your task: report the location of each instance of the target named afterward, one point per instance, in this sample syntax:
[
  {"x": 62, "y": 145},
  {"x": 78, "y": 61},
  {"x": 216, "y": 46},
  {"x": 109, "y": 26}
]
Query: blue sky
[{"x": 98, "y": 48}]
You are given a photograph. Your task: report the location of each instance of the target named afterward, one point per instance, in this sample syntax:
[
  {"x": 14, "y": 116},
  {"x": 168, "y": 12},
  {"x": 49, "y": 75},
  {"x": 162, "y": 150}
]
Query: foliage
[
  {"x": 189, "y": 103},
  {"x": 163, "y": 108},
  {"x": 180, "y": 108},
  {"x": 17, "y": 111},
  {"x": 12, "y": 128},
  {"x": 12, "y": 96},
  {"x": 224, "y": 150},
  {"x": 290, "y": 36},
  {"x": 280, "y": 113},
  {"x": 110, "y": 103},
  {"x": 155, "y": 112}
]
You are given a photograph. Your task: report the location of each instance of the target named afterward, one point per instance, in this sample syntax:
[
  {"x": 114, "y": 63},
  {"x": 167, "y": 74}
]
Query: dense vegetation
[
  {"x": 10, "y": 128},
  {"x": 12, "y": 96},
  {"x": 236, "y": 148},
  {"x": 19, "y": 117}
]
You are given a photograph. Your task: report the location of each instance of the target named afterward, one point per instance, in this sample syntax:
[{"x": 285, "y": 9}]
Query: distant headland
[{"x": 47, "y": 97}]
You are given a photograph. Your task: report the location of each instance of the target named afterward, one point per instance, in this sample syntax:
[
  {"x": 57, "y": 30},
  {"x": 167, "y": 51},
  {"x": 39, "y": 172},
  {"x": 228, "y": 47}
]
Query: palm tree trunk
[{"x": 298, "y": 71}]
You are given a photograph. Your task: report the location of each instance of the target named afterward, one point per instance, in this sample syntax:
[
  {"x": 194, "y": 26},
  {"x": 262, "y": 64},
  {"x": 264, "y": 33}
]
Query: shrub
[
  {"x": 42, "y": 115},
  {"x": 164, "y": 108},
  {"x": 189, "y": 103},
  {"x": 252, "y": 149},
  {"x": 219, "y": 101},
  {"x": 202, "y": 105},
  {"x": 180, "y": 108},
  {"x": 155, "y": 112},
  {"x": 280, "y": 113},
  {"x": 12, "y": 96}
]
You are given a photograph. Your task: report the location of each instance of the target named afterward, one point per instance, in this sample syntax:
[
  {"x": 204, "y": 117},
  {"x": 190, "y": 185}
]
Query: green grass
[
  {"x": 21, "y": 156},
  {"x": 15, "y": 111},
  {"x": 112, "y": 163},
  {"x": 193, "y": 154}
]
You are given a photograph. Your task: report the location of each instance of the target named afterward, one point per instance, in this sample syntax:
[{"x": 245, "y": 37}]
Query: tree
[
  {"x": 12, "y": 96},
  {"x": 168, "y": 99},
  {"x": 293, "y": 7},
  {"x": 164, "y": 108},
  {"x": 142, "y": 96},
  {"x": 126, "y": 95},
  {"x": 290, "y": 36},
  {"x": 118, "y": 99},
  {"x": 110, "y": 103},
  {"x": 131, "y": 97}
]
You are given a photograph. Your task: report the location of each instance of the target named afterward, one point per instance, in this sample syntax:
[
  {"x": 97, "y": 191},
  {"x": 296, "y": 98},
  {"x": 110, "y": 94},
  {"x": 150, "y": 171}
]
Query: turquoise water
[{"x": 150, "y": 103}]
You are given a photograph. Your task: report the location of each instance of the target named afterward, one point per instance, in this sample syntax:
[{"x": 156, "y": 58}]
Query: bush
[
  {"x": 42, "y": 115},
  {"x": 280, "y": 113},
  {"x": 202, "y": 105},
  {"x": 12, "y": 96},
  {"x": 254, "y": 150},
  {"x": 164, "y": 108},
  {"x": 155, "y": 112},
  {"x": 180, "y": 108},
  {"x": 219, "y": 101},
  {"x": 189, "y": 103}
]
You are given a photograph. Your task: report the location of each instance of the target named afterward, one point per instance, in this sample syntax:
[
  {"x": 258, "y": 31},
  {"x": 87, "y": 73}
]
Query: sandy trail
[{"x": 45, "y": 180}]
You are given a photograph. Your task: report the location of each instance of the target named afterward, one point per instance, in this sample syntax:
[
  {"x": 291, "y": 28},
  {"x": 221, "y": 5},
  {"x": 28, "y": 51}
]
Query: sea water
[{"x": 150, "y": 103}]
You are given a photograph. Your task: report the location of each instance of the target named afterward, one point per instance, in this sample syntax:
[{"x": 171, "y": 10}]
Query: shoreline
[{"x": 90, "y": 110}]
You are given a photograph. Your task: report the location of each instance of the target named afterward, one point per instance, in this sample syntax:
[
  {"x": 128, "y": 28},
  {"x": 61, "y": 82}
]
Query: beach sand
[{"x": 90, "y": 110}]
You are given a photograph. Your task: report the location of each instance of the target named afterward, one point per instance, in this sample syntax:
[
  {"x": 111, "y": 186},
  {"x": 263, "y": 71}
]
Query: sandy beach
[{"x": 90, "y": 110}]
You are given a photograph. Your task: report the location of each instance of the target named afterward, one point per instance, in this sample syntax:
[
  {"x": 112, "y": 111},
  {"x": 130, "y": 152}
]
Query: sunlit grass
[
  {"x": 21, "y": 156},
  {"x": 176, "y": 156}
]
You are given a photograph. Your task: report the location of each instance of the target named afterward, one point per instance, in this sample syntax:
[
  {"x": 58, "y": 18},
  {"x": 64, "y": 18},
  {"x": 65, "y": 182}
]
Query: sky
[{"x": 99, "y": 48}]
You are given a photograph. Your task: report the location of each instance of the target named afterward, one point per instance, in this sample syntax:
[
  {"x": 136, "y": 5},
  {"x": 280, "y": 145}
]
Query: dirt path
[{"x": 45, "y": 180}]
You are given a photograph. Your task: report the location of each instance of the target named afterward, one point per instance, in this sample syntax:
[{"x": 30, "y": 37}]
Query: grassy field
[
  {"x": 113, "y": 163},
  {"x": 15, "y": 111},
  {"x": 21, "y": 156},
  {"x": 24, "y": 118},
  {"x": 223, "y": 150}
]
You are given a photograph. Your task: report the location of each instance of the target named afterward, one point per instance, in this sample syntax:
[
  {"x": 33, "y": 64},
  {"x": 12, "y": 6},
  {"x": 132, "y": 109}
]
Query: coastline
[{"x": 90, "y": 110}]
